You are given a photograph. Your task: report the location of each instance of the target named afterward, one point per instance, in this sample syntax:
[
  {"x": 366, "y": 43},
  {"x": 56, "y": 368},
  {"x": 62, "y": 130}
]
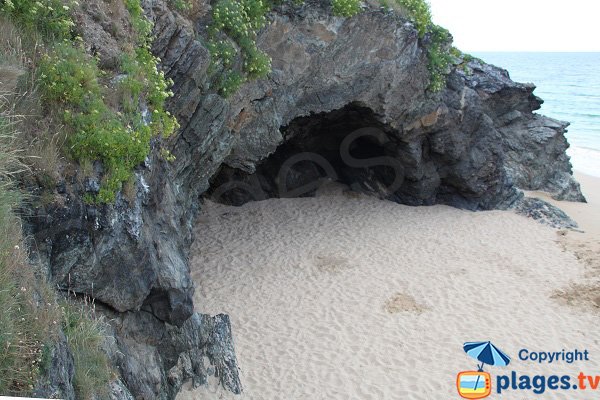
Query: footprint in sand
[
  {"x": 401, "y": 302},
  {"x": 332, "y": 264},
  {"x": 584, "y": 296}
]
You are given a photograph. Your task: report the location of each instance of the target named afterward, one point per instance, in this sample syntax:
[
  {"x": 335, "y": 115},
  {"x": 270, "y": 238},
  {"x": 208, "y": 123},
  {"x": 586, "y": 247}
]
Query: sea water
[{"x": 569, "y": 84}]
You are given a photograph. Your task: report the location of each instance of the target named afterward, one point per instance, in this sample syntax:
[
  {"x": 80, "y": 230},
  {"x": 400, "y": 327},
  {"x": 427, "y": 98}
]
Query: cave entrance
[{"x": 349, "y": 145}]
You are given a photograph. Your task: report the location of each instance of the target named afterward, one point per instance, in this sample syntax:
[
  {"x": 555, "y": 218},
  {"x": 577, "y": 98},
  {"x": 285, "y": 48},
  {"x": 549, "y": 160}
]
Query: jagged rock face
[
  {"x": 469, "y": 146},
  {"x": 473, "y": 145},
  {"x": 459, "y": 147},
  {"x": 155, "y": 359},
  {"x": 534, "y": 146},
  {"x": 129, "y": 255}
]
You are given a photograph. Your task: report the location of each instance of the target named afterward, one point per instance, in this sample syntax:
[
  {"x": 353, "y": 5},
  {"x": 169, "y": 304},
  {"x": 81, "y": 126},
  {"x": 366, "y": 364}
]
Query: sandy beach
[
  {"x": 584, "y": 243},
  {"x": 344, "y": 296}
]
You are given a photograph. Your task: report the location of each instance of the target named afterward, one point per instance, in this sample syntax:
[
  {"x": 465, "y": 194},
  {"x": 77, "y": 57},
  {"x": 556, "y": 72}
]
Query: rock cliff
[{"x": 349, "y": 95}]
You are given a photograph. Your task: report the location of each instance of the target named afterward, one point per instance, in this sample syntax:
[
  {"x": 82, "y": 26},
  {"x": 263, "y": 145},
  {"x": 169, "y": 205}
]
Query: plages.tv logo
[{"x": 478, "y": 384}]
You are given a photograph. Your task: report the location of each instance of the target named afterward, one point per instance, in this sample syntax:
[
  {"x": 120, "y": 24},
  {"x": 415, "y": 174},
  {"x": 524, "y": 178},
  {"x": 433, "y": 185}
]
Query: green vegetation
[
  {"x": 75, "y": 89},
  {"x": 439, "y": 57},
  {"x": 235, "y": 24},
  {"x": 463, "y": 58},
  {"x": 85, "y": 332},
  {"x": 24, "y": 323},
  {"x": 232, "y": 33},
  {"x": 30, "y": 316},
  {"x": 181, "y": 5},
  {"x": 438, "y": 51},
  {"x": 191, "y": 9},
  {"x": 51, "y": 18},
  {"x": 419, "y": 12},
  {"x": 22, "y": 328},
  {"x": 345, "y": 8},
  {"x": 44, "y": 53}
]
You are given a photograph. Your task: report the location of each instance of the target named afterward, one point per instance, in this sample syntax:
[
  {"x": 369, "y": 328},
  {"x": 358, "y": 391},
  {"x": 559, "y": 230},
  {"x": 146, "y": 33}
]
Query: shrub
[
  {"x": 418, "y": 12},
  {"x": 257, "y": 63},
  {"x": 238, "y": 21},
  {"x": 223, "y": 50},
  {"x": 239, "y": 18},
  {"x": 438, "y": 51},
  {"x": 181, "y": 5},
  {"x": 140, "y": 23},
  {"x": 229, "y": 82},
  {"x": 233, "y": 31},
  {"x": 439, "y": 57},
  {"x": 142, "y": 66},
  {"x": 69, "y": 79},
  {"x": 345, "y": 8},
  {"x": 52, "y": 18}
]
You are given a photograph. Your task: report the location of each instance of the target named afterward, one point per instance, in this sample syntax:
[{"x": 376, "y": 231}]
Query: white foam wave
[{"x": 585, "y": 160}]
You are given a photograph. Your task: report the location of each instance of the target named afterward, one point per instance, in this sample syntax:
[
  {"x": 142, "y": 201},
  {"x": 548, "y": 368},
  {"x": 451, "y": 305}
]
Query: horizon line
[{"x": 533, "y": 51}]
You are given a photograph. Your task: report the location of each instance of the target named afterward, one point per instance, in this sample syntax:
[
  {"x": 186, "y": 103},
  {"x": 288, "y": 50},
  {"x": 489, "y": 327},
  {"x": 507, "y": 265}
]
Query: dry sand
[
  {"x": 583, "y": 243},
  {"x": 349, "y": 297}
]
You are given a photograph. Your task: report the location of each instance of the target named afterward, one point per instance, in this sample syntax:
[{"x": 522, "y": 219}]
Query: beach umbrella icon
[{"x": 486, "y": 353}]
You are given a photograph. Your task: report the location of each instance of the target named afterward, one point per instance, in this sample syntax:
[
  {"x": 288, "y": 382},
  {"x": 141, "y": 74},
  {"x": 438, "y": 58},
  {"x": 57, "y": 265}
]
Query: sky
[{"x": 520, "y": 25}]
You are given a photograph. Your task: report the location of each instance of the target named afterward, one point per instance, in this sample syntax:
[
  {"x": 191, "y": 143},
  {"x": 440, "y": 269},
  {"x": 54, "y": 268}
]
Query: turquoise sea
[{"x": 569, "y": 83}]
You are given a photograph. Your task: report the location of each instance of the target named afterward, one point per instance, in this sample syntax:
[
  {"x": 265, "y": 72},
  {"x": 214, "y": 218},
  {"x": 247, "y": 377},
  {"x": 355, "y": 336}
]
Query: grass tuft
[{"x": 86, "y": 335}]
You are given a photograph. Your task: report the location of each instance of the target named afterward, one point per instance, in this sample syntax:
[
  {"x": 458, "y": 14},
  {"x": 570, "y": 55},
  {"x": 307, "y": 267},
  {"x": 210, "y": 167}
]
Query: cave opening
[{"x": 349, "y": 145}]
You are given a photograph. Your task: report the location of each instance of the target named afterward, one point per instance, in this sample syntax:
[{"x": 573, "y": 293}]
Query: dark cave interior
[{"x": 348, "y": 145}]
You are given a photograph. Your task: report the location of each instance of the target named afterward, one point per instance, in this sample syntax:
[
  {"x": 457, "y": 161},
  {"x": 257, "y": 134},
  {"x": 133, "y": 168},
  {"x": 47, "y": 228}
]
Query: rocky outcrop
[
  {"x": 545, "y": 213},
  {"x": 156, "y": 359},
  {"x": 132, "y": 256},
  {"x": 472, "y": 146},
  {"x": 534, "y": 146},
  {"x": 347, "y": 98}
]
